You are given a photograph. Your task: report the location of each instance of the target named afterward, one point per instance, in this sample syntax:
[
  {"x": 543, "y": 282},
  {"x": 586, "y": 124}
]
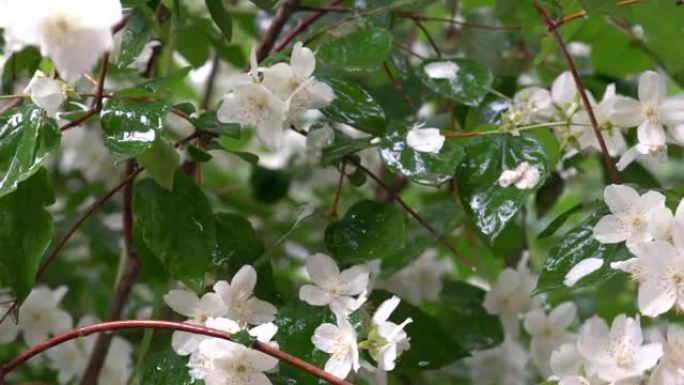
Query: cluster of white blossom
[
  {"x": 561, "y": 108},
  {"x": 41, "y": 317},
  {"x": 271, "y": 99},
  {"x": 232, "y": 307}
]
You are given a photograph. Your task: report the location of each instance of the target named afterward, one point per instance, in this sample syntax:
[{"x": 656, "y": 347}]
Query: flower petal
[
  {"x": 609, "y": 230},
  {"x": 620, "y": 198},
  {"x": 652, "y": 87},
  {"x": 321, "y": 269}
]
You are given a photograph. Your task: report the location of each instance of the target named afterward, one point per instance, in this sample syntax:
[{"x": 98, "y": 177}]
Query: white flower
[
  {"x": 581, "y": 128},
  {"x": 535, "y": 104},
  {"x": 39, "y": 316},
  {"x": 581, "y": 270},
  {"x": 317, "y": 140},
  {"x": 389, "y": 340},
  {"x": 332, "y": 287},
  {"x": 243, "y": 307},
  {"x": 670, "y": 369},
  {"x": 73, "y": 33},
  {"x": 69, "y": 359},
  {"x": 340, "y": 342},
  {"x": 549, "y": 332},
  {"x": 618, "y": 353},
  {"x": 646, "y": 152},
  {"x": 503, "y": 365},
  {"x": 651, "y": 113},
  {"x": 564, "y": 95},
  {"x": 632, "y": 215},
  {"x": 511, "y": 296},
  {"x": 46, "y": 93},
  {"x": 442, "y": 70},
  {"x": 82, "y": 149},
  {"x": 253, "y": 105},
  {"x": 567, "y": 366},
  {"x": 524, "y": 177},
  {"x": 659, "y": 270},
  {"x": 421, "y": 280},
  {"x": 222, "y": 362},
  {"x": 425, "y": 140},
  {"x": 198, "y": 312}
]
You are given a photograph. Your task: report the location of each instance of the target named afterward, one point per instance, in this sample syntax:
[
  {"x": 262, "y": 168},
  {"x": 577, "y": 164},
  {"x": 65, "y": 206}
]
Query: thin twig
[
  {"x": 105, "y": 327},
  {"x": 551, "y": 26},
  {"x": 427, "y": 35},
  {"x": 338, "y": 191},
  {"x": 287, "y": 7},
  {"x": 302, "y": 26},
  {"x": 397, "y": 86},
  {"x": 211, "y": 82},
  {"x": 582, "y": 14},
  {"x": 97, "y": 101}
]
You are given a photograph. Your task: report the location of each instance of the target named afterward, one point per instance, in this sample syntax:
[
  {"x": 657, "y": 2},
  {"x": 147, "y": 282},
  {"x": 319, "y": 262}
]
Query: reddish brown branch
[
  {"x": 397, "y": 86},
  {"x": 303, "y": 25},
  {"x": 427, "y": 35},
  {"x": 103, "y": 327},
  {"x": 552, "y": 28},
  {"x": 97, "y": 101},
  {"x": 287, "y": 7},
  {"x": 582, "y": 14},
  {"x": 338, "y": 191}
]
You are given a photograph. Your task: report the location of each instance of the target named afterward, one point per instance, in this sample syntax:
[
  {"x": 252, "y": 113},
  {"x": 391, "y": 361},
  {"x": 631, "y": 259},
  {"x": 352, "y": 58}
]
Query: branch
[
  {"x": 552, "y": 29},
  {"x": 131, "y": 267},
  {"x": 427, "y": 35},
  {"x": 279, "y": 20},
  {"x": 303, "y": 25},
  {"x": 397, "y": 86},
  {"x": 164, "y": 325},
  {"x": 582, "y": 14},
  {"x": 99, "y": 95}
]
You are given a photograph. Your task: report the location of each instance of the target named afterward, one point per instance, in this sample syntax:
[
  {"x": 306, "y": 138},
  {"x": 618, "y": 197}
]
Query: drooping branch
[
  {"x": 105, "y": 327},
  {"x": 287, "y": 7},
  {"x": 552, "y": 29}
]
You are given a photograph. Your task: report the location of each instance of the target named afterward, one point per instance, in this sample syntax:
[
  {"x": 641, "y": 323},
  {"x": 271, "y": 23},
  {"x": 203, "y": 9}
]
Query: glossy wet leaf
[
  {"x": 178, "y": 227},
  {"x": 131, "y": 128},
  {"x": 369, "y": 230},
  {"x": 165, "y": 367},
  {"x": 421, "y": 167},
  {"x": 359, "y": 51},
  {"x": 221, "y": 18},
  {"x": 25, "y": 233},
  {"x": 160, "y": 162},
  {"x": 237, "y": 244},
  {"x": 461, "y": 313},
  {"x": 469, "y": 83},
  {"x": 354, "y": 106},
  {"x": 208, "y": 121},
  {"x": 490, "y": 205},
  {"x": 27, "y": 138},
  {"x": 577, "y": 245},
  {"x": 135, "y": 36}
]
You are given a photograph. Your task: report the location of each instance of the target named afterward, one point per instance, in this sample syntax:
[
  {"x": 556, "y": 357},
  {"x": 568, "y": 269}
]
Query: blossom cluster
[
  {"x": 659, "y": 119},
  {"x": 40, "y": 316}
]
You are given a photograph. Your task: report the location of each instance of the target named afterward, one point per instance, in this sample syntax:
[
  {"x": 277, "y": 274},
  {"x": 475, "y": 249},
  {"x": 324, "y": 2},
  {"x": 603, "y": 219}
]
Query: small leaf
[
  {"x": 265, "y": 4},
  {"x": 363, "y": 50},
  {"x": 269, "y": 186},
  {"x": 421, "y": 167},
  {"x": 209, "y": 122},
  {"x": 161, "y": 162},
  {"x": 178, "y": 227},
  {"x": 237, "y": 244},
  {"x": 198, "y": 155},
  {"x": 243, "y": 338},
  {"x": 354, "y": 106},
  {"x": 577, "y": 245},
  {"x": 490, "y": 205},
  {"x": 135, "y": 36},
  {"x": 25, "y": 233},
  {"x": 342, "y": 146},
  {"x": 220, "y": 17},
  {"x": 130, "y": 127},
  {"x": 470, "y": 83},
  {"x": 27, "y": 138},
  {"x": 560, "y": 221},
  {"x": 369, "y": 230}
]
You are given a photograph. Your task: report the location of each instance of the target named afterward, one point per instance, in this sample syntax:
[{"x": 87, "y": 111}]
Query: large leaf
[
  {"x": 25, "y": 233},
  {"x": 130, "y": 128},
  {"x": 237, "y": 243},
  {"x": 469, "y": 83},
  {"x": 160, "y": 162},
  {"x": 491, "y": 205},
  {"x": 178, "y": 227},
  {"x": 27, "y": 138},
  {"x": 577, "y": 245},
  {"x": 354, "y": 106},
  {"x": 421, "y": 167},
  {"x": 135, "y": 36},
  {"x": 363, "y": 50},
  {"x": 220, "y": 17},
  {"x": 369, "y": 230}
]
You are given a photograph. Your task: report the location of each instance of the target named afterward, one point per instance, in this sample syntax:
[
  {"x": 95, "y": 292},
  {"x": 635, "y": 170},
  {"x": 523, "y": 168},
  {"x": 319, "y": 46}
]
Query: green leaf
[
  {"x": 178, "y": 227},
  {"x": 421, "y": 167},
  {"x": 135, "y": 36},
  {"x": 27, "y": 138},
  {"x": 220, "y": 17},
  {"x": 560, "y": 221},
  {"x": 25, "y": 233},
  {"x": 368, "y": 231},
  {"x": 490, "y": 205},
  {"x": 161, "y": 163},
  {"x": 354, "y": 106},
  {"x": 269, "y": 186},
  {"x": 342, "y": 146},
  {"x": 198, "y": 155},
  {"x": 20, "y": 63},
  {"x": 165, "y": 367},
  {"x": 265, "y": 4},
  {"x": 237, "y": 244},
  {"x": 471, "y": 83},
  {"x": 208, "y": 121},
  {"x": 463, "y": 316},
  {"x": 131, "y": 128},
  {"x": 577, "y": 245},
  {"x": 359, "y": 51}
]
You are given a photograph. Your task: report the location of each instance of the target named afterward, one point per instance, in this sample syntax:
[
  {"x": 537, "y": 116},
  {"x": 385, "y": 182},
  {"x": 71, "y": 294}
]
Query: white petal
[
  {"x": 651, "y": 134},
  {"x": 563, "y": 315},
  {"x": 385, "y": 309},
  {"x": 609, "y": 230},
  {"x": 321, "y": 269},
  {"x": 652, "y": 87},
  {"x": 303, "y": 61},
  {"x": 442, "y": 70},
  {"x": 427, "y": 140},
  {"x": 623, "y": 111},
  {"x": 582, "y": 269},
  {"x": 261, "y": 311},
  {"x": 182, "y": 302},
  {"x": 313, "y": 295},
  {"x": 563, "y": 89},
  {"x": 339, "y": 367},
  {"x": 325, "y": 337},
  {"x": 535, "y": 321},
  {"x": 653, "y": 300},
  {"x": 244, "y": 280},
  {"x": 355, "y": 280},
  {"x": 620, "y": 198}
]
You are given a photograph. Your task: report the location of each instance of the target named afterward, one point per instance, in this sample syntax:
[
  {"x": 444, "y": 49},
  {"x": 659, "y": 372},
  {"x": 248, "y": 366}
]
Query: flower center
[
  {"x": 651, "y": 113},
  {"x": 624, "y": 356}
]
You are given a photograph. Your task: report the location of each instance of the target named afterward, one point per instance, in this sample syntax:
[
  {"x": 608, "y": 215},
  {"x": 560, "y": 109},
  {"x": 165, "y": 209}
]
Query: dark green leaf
[
  {"x": 160, "y": 162},
  {"x": 27, "y": 138},
  {"x": 186, "y": 108},
  {"x": 421, "y": 167},
  {"x": 220, "y": 17},
  {"x": 130, "y": 127},
  {"x": 265, "y": 4},
  {"x": 135, "y": 36},
  {"x": 209, "y": 122},
  {"x": 354, "y": 106},
  {"x": 560, "y": 221},
  {"x": 342, "y": 146},
  {"x": 243, "y": 338},
  {"x": 363, "y": 50},
  {"x": 198, "y": 155},
  {"x": 269, "y": 186},
  {"x": 21, "y": 63},
  {"x": 469, "y": 85},
  {"x": 577, "y": 245},
  {"x": 369, "y": 230},
  {"x": 25, "y": 233},
  {"x": 165, "y": 367},
  {"x": 490, "y": 205},
  {"x": 237, "y": 243},
  {"x": 178, "y": 227}
]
